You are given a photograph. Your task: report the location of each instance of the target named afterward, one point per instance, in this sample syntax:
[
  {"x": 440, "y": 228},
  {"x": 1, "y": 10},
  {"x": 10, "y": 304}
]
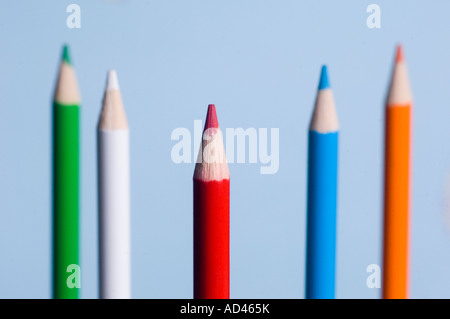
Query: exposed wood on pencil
[
  {"x": 66, "y": 91},
  {"x": 113, "y": 115}
]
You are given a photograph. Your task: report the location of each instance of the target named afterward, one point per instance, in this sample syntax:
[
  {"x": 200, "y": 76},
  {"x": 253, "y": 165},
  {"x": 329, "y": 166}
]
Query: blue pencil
[{"x": 322, "y": 192}]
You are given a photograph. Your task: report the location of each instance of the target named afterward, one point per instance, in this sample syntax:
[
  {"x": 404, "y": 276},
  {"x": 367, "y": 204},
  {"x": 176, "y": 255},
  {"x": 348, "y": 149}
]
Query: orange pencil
[{"x": 397, "y": 183}]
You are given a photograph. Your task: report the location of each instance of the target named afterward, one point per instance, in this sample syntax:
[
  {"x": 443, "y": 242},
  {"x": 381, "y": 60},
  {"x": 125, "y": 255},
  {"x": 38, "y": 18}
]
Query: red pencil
[{"x": 211, "y": 215}]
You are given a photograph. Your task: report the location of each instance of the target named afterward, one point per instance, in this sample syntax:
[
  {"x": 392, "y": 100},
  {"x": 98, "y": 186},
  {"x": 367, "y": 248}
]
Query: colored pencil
[
  {"x": 397, "y": 182},
  {"x": 66, "y": 113},
  {"x": 211, "y": 215},
  {"x": 322, "y": 193},
  {"x": 114, "y": 195}
]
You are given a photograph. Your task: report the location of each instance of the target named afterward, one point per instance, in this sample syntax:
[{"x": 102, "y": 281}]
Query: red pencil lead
[{"x": 211, "y": 117}]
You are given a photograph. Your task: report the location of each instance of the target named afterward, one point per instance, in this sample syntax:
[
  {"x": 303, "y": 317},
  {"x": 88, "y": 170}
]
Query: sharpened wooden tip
[
  {"x": 399, "y": 89},
  {"x": 112, "y": 116},
  {"x": 211, "y": 161},
  {"x": 66, "y": 92},
  {"x": 324, "y": 118}
]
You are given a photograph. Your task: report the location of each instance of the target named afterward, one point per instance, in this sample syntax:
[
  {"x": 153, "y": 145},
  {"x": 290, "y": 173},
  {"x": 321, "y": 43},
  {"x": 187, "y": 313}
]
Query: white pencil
[{"x": 114, "y": 195}]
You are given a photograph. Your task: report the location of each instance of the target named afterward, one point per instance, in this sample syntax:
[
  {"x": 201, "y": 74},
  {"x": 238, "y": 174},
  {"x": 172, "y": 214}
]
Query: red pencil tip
[
  {"x": 211, "y": 117},
  {"x": 399, "y": 57}
]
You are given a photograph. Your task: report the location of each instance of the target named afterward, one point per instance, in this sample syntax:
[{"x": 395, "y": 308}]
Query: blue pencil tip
[{"x": 324, "y": 83}]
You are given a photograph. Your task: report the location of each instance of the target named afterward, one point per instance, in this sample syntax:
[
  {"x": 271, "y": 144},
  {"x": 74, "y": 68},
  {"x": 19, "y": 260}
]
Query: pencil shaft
[
  {"x": 321, "y": 215},
  {"x": 396, "y": 204},
  {"x": 114, "y": 214},
  {"x": 211, "y": 239},
  {"x": 65, "y": 197}
]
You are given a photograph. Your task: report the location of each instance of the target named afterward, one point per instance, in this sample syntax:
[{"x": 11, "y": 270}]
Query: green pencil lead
[{"x": 66, "y": 55}]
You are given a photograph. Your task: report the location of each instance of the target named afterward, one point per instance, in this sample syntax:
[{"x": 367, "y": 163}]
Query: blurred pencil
[
  {"x": 114, "y": 195},
  {"x": 322, "y": 193},
  {"x": 66, "y": 113},
  {"x": 211, "y": 215},
  {"x": 397, "y": 182}
]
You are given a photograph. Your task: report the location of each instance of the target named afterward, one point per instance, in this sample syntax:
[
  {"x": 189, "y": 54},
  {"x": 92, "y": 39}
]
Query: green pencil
[{"x": 66, "y": 114}]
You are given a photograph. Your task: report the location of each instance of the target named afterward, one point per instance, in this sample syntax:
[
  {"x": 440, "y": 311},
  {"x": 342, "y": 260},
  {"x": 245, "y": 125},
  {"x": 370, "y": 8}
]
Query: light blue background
[{"x": 259, "y": 62}]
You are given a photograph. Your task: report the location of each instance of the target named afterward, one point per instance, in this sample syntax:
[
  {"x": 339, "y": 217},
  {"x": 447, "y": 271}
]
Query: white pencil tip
[{"x": 112, "y": 83}]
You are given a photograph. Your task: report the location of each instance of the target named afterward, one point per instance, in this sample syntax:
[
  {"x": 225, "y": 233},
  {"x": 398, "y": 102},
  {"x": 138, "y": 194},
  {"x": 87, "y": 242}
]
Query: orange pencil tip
[{"x": 399, "y": 57}]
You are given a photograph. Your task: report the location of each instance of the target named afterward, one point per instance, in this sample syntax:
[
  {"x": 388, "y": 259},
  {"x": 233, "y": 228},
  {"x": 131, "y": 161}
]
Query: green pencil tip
[{"x": 66, "y": 55}]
